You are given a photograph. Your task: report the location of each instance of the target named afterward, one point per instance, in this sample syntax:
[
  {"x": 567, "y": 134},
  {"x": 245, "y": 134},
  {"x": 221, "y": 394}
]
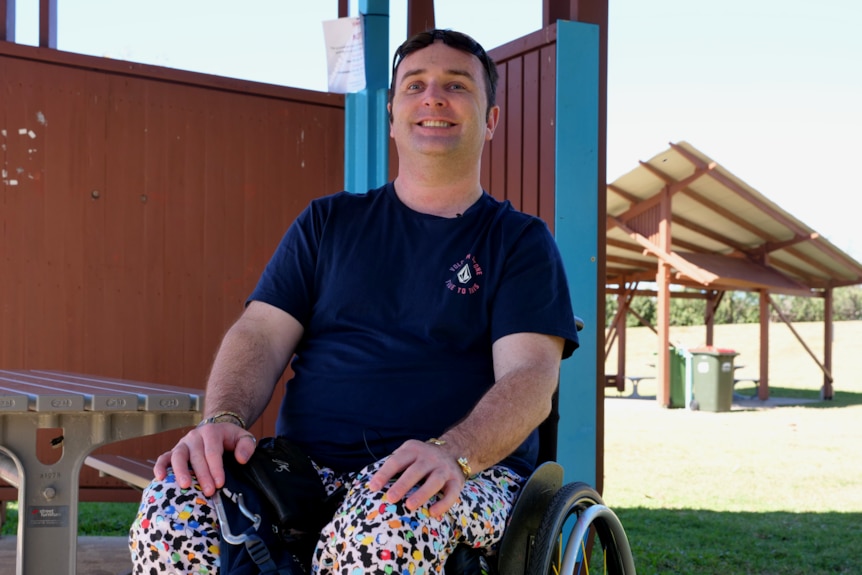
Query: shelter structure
[
  {"x": 688, "y": 226},
  {"x": 163, "y": 192}
]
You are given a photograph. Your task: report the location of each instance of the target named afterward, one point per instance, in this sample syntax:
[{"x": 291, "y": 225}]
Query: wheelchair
[{"x": 554, "y": 529}]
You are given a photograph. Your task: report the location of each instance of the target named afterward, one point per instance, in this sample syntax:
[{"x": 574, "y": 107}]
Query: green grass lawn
[
  {"x": 757, "y": 491},
  {"x": 93, "y": 518}
]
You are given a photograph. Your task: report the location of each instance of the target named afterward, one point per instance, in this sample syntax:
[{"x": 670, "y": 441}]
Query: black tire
[{"x": 577, "y": 510}]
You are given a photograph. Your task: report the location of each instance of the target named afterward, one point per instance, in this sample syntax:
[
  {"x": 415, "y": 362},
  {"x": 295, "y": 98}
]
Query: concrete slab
[{"x": 96, "y": 555}]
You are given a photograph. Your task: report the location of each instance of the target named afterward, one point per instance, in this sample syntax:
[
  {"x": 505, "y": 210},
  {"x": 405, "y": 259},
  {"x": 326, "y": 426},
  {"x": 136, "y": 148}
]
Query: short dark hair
[{"x": 456, "y": 40}]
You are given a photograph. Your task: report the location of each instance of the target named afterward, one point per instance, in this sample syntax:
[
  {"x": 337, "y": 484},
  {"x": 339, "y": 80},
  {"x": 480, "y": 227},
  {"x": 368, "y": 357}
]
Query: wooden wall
[
  {"x": 138, "y": 206},
  {"x": 518, "y": 164}
]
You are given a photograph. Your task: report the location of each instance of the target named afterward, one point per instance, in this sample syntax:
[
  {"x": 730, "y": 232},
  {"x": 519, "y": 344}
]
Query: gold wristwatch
[
  {"x": 461, "y": 461},
  {"x": 224, "y": 417}
]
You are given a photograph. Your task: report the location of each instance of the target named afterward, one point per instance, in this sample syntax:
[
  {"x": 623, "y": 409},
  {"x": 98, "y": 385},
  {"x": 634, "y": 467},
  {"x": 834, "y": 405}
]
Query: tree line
[{"x": 743, "y": 307}]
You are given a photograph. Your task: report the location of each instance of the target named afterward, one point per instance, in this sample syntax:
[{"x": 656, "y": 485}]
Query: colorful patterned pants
[{"x": 176, "y": 530}]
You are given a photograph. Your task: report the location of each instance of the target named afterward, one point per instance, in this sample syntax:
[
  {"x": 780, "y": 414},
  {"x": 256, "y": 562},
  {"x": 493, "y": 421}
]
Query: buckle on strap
[{"x": 226, "y": 533}]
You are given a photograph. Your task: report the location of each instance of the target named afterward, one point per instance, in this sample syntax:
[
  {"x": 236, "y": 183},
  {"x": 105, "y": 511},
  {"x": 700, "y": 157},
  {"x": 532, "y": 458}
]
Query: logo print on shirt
[{"x": 465, "y": 277}]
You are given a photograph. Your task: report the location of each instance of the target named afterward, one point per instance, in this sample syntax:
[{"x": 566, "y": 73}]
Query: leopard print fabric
[{"x": 176, "y": 530}]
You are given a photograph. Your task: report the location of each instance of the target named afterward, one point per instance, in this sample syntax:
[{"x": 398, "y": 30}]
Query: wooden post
[
  {"x": 663, "y": 302},
  {"x": 763, "y": 389},
  {"x": 7, "y": 20},
  {"x": 47, "y": 23},
  {"x": 828, "y": 333},
  {"x": 420, "y": 16}
]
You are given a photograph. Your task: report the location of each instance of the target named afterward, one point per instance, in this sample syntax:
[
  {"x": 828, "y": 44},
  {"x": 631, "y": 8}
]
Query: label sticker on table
[{"x": 48, "y": 516}]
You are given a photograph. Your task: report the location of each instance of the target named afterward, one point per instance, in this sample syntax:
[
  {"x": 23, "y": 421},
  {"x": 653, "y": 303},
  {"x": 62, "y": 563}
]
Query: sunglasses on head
[{"x": 452, "y": 39}]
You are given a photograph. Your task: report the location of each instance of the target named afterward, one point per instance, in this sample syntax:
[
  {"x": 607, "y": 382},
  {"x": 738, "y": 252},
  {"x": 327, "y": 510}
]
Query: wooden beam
[
  {"x": 708, "y": 233},
  {"x": 7, "y": 20},
  {"x": 670, "y": 258},
  {"x": 769, "y": 247},
  {"x": 826, "y": 372},
  {"x": 657, "y": 173},
  {"x": 809, "y": 260},
  {"x": 48, "y": 24},
  {"x": 620, "y": 276},
  {"x": 675, "y": 185},
  {"x": 728, "y": 215},
  {"x": 420, "y": 16},
  {"x": 623, "y": 245},
  {"x": 742, "y": 192},
  {"x": 639, "y": 264},
  {"x": 631, "y": 198}
]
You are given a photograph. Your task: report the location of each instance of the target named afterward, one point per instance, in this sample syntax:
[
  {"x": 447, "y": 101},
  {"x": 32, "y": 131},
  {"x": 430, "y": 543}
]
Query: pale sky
[{"x": 770, "y": 89}]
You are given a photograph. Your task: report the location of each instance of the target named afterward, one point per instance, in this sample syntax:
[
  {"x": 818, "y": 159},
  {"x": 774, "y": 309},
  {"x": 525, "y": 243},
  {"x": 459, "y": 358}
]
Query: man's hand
[
  {"x": 203, "y": 448},
  {"x": 433, "y": 469}
]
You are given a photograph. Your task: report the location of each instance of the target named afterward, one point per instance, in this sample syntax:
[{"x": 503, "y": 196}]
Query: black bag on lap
[{"x": 271, "y": 511}]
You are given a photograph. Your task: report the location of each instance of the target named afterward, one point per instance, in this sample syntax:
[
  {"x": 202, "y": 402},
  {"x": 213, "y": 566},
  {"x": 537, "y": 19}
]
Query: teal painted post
[
  {"x": 576, "y": 230},
  {"x": 366, "y": 125}
]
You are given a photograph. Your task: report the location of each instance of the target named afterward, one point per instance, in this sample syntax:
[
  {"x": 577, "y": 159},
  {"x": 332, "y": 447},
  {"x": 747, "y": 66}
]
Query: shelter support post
[
  {"x": 763, "y": 389},
  {"x": 366, "y": 137},
  {"x": 580, "y": 236},
  {"x": 828, "y": 330},
  {"x": 663, "y": 281},
  {"x": 663, "y": 325},
  {"x": 712, "y": 300},
  {"x": 621, "y": 339},
  {"x": 827, "y": 372}
]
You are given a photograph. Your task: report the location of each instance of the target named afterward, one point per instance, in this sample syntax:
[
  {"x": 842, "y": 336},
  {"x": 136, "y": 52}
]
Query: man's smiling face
[{"x": 439, "y": 104}]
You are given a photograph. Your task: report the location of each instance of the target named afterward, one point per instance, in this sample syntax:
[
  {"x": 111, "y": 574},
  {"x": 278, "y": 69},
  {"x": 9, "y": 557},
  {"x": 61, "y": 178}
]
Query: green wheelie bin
[{"x": 712, "y": 378}]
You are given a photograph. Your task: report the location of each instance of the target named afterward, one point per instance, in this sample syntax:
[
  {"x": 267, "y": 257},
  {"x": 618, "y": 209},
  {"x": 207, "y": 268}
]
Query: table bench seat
[
  {"x": 135, "y": 472},
  {"x": 737, "y": 380}
]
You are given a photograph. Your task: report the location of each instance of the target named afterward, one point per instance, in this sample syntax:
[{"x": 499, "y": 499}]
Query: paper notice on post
[{"x": 345, "y": 54}]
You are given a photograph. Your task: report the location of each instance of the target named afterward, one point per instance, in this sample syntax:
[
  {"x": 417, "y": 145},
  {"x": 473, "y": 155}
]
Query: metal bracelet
[
  {"x": 219, "y": 418},
  {"x": 462, "y": 461}
]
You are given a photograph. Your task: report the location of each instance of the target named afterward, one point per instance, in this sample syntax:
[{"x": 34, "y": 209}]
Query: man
[{"x": 425, "y": 323}]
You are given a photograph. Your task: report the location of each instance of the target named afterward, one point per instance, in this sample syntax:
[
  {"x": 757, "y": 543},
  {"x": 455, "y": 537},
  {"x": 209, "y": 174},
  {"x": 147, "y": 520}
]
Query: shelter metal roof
[{"x": 725, "y": 235}]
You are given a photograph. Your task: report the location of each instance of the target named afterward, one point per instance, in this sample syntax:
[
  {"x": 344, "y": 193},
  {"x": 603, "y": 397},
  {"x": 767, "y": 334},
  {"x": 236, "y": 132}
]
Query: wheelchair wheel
[{"x": 579, "y": 535}]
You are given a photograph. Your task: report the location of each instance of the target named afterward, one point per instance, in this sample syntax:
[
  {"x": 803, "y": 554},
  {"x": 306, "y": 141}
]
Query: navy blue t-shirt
[{"x": 400, "y": 310}]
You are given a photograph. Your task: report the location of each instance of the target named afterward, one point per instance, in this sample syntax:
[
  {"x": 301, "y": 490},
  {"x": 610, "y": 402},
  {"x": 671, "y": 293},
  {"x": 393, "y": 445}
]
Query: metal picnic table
[{"x": 91, "y": 411}]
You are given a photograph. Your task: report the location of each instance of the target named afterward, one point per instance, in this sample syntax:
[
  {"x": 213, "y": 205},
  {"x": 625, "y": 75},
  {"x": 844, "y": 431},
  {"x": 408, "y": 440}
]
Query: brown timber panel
[
  {"x": 518, "y": 164},
  {"x": 146, "y": 203}
]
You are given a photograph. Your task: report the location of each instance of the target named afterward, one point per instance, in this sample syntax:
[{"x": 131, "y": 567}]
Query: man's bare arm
[
  {"x": 526, "y": 367},
  {"x": 251, "y": 358}
]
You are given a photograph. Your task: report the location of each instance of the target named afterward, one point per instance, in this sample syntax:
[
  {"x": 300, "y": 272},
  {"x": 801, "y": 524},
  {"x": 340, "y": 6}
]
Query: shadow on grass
[
  {"x": 840, "y": 398},
  {"x": 710, "y": 542}
]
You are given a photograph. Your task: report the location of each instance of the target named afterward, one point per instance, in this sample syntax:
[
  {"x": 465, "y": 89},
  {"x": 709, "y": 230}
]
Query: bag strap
[{"x": 259, "y": 552}]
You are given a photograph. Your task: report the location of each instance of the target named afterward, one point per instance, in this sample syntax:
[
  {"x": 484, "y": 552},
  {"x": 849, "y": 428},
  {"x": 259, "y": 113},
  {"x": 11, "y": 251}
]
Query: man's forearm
[
  {"x": 503, "y": 418},
  {"x": 245, "y": 371}
]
